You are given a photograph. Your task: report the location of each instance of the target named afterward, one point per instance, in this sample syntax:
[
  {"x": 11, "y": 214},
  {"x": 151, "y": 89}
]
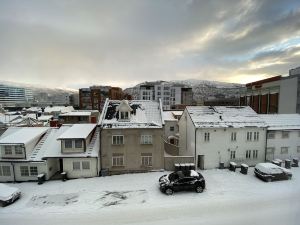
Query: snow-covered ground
[{"x": 230, "y": 198}]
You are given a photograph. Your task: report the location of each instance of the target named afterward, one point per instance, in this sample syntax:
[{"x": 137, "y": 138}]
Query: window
[
  {"x": 271, "y": 135},
  {"x": 284, "y": 150},
  {"x": 124, "y": 115},
  {"x": 76, "y": 165},
  {"x": 298, "y": 149},
  {"x": 249, "y": 136},
  {"x": 117, "y": 139},
  {"x": 255, "y": 153},
  {"x": 68, "y": 143},
  {"x": 146, "y": 139},
  {"x": 33, "y": 171},
  {"x": 146, "y": 159},
  {"x": 24, "y": 171},
  {"x": 5, "y": 171},
  {"x": 233, "y": 136},
  {"x": 206, "y": 136},
  {"x": 172, "y": 128},
  {"x": 285, "y": 134},
  {"x": 78, "y": 144},
  {"x": 298, "y": 133},
  {"x": 8, "y": 150},
  {"x": 256, "y": 136},
  {"x": 118, "y": 159},
  {"x": 270, "y": 150},
  {"x": 18, "y": 150},
  {"x": 85, "y": 165},
  {"x": 248, "y": 154},
  {"x": 232, "y": 154}
]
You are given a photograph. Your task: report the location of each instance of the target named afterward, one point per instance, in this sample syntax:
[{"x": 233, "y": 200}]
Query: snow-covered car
[
  {"x": 8, "y": 194},
  {"x": 270, "y": 172},
  {"x": 182, "y": 181}
]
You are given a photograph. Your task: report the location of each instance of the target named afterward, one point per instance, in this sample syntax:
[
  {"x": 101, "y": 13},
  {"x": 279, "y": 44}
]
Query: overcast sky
[{"x": 72, "y": 44}]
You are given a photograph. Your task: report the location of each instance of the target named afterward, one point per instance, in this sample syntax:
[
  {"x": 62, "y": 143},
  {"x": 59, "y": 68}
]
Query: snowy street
[{"x": 230, "y": 198}]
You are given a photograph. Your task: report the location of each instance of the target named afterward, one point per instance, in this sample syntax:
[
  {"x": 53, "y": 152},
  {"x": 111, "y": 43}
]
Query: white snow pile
[
  {"x": 230, "y": 198},
  {"x": 270, "y": 168}
]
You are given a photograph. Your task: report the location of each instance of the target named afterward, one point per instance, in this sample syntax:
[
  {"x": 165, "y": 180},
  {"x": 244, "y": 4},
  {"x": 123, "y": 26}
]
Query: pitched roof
[
  {"x": 78, "y": 131},
  {"x": 21, "y": 135},
  {"x": 282, "y": 121},
  {"x": 145, "y": 114},
  {"x": 224, "y": 116}
]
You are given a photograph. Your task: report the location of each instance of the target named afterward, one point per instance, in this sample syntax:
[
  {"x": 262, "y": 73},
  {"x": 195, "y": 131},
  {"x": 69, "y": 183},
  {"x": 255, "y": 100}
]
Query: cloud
[{"x": 80, "y": 43}]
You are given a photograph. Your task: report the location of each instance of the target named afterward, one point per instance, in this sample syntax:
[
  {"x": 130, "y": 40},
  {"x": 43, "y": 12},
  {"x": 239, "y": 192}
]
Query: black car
[
  {"x": 271, "y": 172},
  {"x": 182, "y": 181}
]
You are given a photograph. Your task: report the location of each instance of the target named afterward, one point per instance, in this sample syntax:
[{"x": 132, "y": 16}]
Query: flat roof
[
  {"x": 78, "y": 131},
  {"x": 76, "y": 113}
]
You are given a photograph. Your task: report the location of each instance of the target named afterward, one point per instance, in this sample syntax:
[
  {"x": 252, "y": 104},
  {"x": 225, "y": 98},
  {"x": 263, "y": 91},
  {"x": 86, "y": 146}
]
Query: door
[
  {"x": 61, "y": 166},
  {"x": 200, "y": 164}
]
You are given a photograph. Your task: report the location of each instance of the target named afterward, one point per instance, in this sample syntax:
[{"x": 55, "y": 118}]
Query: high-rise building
[
  {"x": 274, "y": 95},
  {"x": 14, "y": 96},
  {"x": 173, "y": 96}
]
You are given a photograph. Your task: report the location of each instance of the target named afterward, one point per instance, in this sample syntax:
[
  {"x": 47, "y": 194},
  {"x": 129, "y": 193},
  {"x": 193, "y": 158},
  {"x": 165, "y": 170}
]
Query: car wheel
[
  {"x": 199, "y": 189},
  {"x": 169, "y": 191},
  {"x": 269, "y": 179}
]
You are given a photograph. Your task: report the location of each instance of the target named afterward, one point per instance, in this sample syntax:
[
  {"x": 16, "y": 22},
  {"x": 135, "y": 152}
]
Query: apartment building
[
  {"x": 222, "y": 134},
  {"x": 274, "y": 95},
  {"x": 93, "y": 98},
  {"x": 131, "y": 136},
  {"x": 173, "y": 96},
  {"x": 283, "y": 136},
  {"x": 15, "y": 96}
]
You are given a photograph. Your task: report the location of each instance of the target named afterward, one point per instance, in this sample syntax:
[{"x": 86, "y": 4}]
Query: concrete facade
[{"x": 132, "y": 150}]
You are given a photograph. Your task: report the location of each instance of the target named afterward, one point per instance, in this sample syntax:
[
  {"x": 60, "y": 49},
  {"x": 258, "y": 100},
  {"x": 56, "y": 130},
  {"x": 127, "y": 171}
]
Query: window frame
[
  {"x": 33, "y": 171},
  {"x": 118, "y": 139},
  {"x": 76, "y": 165},
  {"x": 206, "y": 136},
  {"x": 84, "y": 164},
  {"x": 24, "y": 171},
  {"x": 18, "y": 150},
  {"x": 76, "y": 142},
  {"x": 3, "y": 172},
  {"x": 233, "y": 136},
  {"x": 146, "y": 159},
  {"x": 146, "y": 139},
  {"x": 271, "y": 135},
  {"x": 285, "y": 134},
  {"x": 65, "y": 143},
  {"x": 284, "y": 150},
  {"x": 117, "y": 160},
  {"x": 232, "y": 154},
  {"x": 8, "y": 148}
]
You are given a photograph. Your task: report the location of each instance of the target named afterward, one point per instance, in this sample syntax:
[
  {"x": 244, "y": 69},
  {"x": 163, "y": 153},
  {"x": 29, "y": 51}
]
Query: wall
[
  {"x": 68, "y": 167},
  {"x": 288, "y": 95},
  {"x": 186, "y": 135},
  {"x": 167, "y": 126},
  {"x": 52, "y": 167},
  {"x": 42, "y": 168},
  {"x": 218, "y": 148},
  {"x": 132, "y": 149},
  {"x": 292, "y": 142}
]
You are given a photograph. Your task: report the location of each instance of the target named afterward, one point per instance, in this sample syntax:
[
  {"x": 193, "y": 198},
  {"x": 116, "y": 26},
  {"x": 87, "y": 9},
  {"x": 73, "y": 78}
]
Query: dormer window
[
  {"x": 124, "y": 110},
  {"x": 124, "y": 115},
  {"x": 68, "y": 143}
]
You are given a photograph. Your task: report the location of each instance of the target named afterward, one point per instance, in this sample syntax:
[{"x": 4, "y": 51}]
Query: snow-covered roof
[
  {"x": 45, "y": 117},
  {"x": 177, "y": 113},
  {"x": 21, "y": 135},
  {"x": 224, "y": 116},
  {"x": 77, "y": 113},
  {"x": 78, "y": 131},
  {"x": 144, "y": 114},
  {"x": 52, "y": 146},
  {"x": 62, "y": 109},
  {"x": 168, "y": 116},
  {"x": 282, "y": 121}
]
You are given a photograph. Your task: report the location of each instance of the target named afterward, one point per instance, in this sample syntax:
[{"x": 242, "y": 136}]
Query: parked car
[
  {"x": 182, "y": 181},
  {"x": 8, "y": 194},
  {"x": 270, "y": 172}
]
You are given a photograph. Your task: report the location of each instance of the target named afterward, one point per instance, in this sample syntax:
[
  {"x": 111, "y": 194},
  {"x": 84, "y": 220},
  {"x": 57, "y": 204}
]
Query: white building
[
  {"x": 222, "y": 134},
  {"x": 17, "y": 160},
  {"x": 171, "y": 129},
  {"x": 27, "y": 152},
  {"x": 171, "y": 95},
  {"x": 283, "y": 136}
]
